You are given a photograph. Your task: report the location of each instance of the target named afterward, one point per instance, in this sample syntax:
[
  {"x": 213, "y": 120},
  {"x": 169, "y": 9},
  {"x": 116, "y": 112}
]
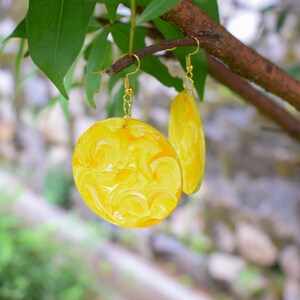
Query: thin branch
[
  {"x": 288, "y": 122},
  {"x": 127, "y": 61},
  {"x": 241, "y": 59},
  {"x": 220, "y": 72}
]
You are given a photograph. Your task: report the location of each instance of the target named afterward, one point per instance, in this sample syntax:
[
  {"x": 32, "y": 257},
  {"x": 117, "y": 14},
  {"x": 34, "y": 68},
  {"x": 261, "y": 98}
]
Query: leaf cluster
[
  {"x": 31, "y": 267},
  {"x": 59, "y": 31}
]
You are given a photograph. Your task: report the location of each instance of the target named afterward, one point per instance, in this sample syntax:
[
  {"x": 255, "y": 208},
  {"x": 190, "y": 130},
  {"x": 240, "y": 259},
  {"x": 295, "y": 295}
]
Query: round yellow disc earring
[
  {"x": 126, "y": 171},
  {"x": 186, "y": 132}
]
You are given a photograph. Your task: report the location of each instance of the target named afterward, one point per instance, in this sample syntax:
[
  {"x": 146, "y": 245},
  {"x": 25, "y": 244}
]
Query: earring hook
[
  {"x": 126, "y": 79},
  {"x": 128, "y": 91},
  {"x": 198, "y": 46},
  {"x": 131, "y": 73},
  {"x": 188, "y": 83},
  {"x": 138, "y": 63},
  {"x": 188, "y": 57}
]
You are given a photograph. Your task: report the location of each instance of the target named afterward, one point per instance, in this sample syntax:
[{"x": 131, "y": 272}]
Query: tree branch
[
  {"x": 265, "y": 105},
  {"x": 127, "y": 61},
  {"x": 239, "y": 58}
]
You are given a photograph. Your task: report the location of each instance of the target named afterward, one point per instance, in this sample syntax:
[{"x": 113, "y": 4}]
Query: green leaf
[
  {"x": 56, "y": 30},
  {"x": 3, "y": 44},
  {"x": 113, "y": 80},
  {"x": 93, "y": 25},
  {"x": 281, "y": 19},
  {"x": 96, "y": 60},
  {"x": 115, "y": 108},
  {"x": 51, "y": 103},
  {"x": 18, "y": 61},
  {"x": 210, "y": 7},
  {"x": 112, "y": 11},
  {"x": 200, "y": 72},
  {"x": 198, "y": 60},
  {"x": 124, "y": 2},
  {"x": 108, "y": 58},
  {"x": 268, "y": 9},
  {"x": 64, "y": 103},
  {"x": 19, "y": 31},
  {"x": 108, "y": 2},
  {"x": 150, "y": 64},
  {"x": 87, "y": 51},
  {"x": 20, "y": 84},
  {"x": 155, "y": 9},
  {"x": 168, "y": 30},
  {"x": 294, "y": 71}
]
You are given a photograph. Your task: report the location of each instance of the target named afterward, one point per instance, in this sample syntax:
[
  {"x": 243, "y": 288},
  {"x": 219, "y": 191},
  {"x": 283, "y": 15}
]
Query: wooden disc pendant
[
  {"x": 187, "y": 137},
  {"x": 129, "y": 176}
]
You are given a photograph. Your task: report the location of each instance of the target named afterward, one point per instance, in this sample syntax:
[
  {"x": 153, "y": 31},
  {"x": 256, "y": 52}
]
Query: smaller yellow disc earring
[
  {"x": 126, "y": 171},
  {"x": 186, "y": 132}
]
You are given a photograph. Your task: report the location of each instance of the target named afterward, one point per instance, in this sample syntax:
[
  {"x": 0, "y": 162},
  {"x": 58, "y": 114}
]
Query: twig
[
  {"x": 127, "y": 61},
  {"x": 288, "y": 122},
  {"x": 241, "y": 59}
]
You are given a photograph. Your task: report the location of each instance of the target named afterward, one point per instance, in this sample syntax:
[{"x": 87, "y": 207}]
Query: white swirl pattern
[{"x": 130, "y": 176}]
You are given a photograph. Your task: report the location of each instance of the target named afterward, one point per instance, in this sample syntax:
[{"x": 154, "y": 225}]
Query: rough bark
[{"x": 241, "y": 59}]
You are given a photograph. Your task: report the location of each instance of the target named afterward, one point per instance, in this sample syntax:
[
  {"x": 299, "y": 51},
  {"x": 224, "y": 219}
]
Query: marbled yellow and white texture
[
  {"x": 130, "y": 176},
  {"x": 186, "y": 134}
]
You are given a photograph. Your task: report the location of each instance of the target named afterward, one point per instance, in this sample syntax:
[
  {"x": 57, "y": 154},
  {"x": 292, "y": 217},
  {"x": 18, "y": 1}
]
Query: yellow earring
[
  {"x": 186, "y": 132},
  {"x": 126, "y": 171}
]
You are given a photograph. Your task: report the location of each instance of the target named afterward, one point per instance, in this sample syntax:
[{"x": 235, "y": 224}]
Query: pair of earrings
[{"x": 128, "y": 173}]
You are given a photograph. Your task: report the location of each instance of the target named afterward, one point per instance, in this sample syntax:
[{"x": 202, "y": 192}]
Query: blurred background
[{"x": 237, "y": 238}]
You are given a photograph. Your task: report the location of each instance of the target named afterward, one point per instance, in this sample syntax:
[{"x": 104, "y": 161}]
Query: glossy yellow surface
[
  {"x": 130, "y": 176},
  {"x": 187, "y": 137}
]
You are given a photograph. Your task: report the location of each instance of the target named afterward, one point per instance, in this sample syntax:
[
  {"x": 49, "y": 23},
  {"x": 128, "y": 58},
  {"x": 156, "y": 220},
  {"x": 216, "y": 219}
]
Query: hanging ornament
[
  {"x": 186, "y": 132},
  {"x": 126, "y": 171}
]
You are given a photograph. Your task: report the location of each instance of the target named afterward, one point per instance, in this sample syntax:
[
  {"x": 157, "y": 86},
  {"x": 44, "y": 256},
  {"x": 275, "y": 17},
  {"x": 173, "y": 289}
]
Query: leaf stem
[{"x": 132, "y": 26}]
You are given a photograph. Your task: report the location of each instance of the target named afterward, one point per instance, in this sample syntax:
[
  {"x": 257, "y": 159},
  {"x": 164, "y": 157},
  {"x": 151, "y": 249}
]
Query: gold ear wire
[
  {"x": 198, "y": 45},
  {"x": 126, "y": 79},
  {"x": 188, "y": 83},
  {"x": 137, "y": 69},
  {"x": 127, "y": 98},
  {"x": 138, "y": 62},
  {"x": 188, "y": 57}
]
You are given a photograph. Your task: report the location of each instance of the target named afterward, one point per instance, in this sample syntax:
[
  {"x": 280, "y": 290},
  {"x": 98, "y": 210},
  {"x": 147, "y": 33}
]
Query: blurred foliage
[
  {"x": 187, "y": 280},
  {"x": 294, "y": 71},
  {"x": 8, "y": 196},
  {"x": 198, "y": 243},
  {"x": 127, "y": 238},
  {"x": 256, "y": 282},
  {"x": 57, "y": 187},
  {"x": 32, "y": 267},
  {"x": 277, "y": 282},
  {"x": 105, "y": 267},
  {"x": 249, "y": 281}
]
